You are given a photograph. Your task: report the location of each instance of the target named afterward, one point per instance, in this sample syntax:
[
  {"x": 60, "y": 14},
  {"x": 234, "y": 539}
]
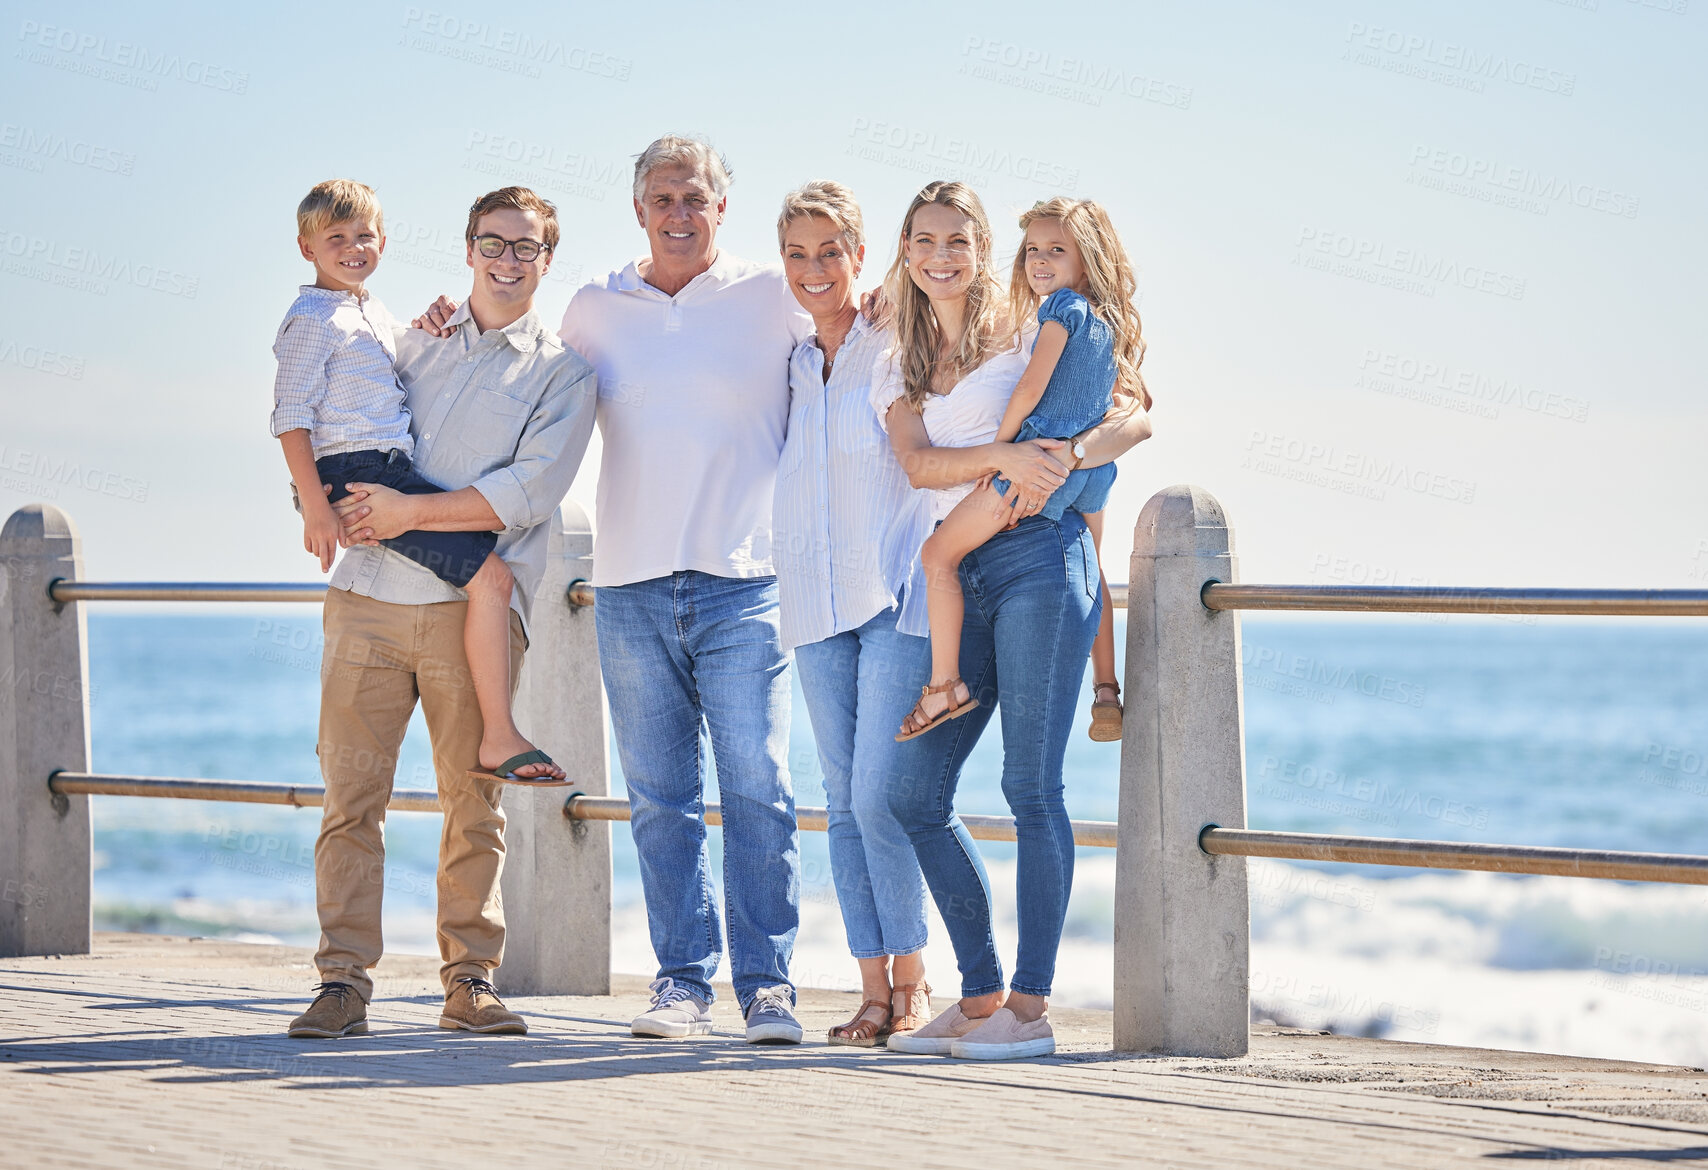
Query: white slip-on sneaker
[
  {"x": 935, "y": 1038},
  {"x": 769, "y": 1018},
  {"x": 675, "y": 1012},
  {"x": 1005, "y": 1037}
]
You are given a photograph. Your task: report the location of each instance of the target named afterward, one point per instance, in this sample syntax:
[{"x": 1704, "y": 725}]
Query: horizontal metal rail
[
  {"x": 1442, "y": 599},
  {"x": 579, "y": 592},
  {"x": 63, "y": 591},
  {"x": 1682, "y": 868},
  {"x": 240, "y": 791},
  {"x": 577, "y": 806},
  {"x": 1531, "y": 859},
  {"x": 1100, "y": 834},
  {"x": 1217, "y": 595}
]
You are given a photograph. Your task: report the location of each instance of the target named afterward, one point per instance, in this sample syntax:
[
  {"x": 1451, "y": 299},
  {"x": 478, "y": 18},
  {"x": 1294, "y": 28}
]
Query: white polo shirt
[{"x": 693, "y": 407}]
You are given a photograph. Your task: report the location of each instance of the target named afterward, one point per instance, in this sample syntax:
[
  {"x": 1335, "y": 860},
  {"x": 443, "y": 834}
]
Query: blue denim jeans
[
  {"x": 858, "y": 685},
  {"x": 679, "y": 653},
  {"x": 1033, "y": 604}
]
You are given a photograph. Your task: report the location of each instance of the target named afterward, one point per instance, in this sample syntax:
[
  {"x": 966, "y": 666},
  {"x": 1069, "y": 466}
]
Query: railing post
[
  {"x": 1182, "y": 925},
  {"x": 44, "y": 727},
  {"x": 557, "y": 872}
]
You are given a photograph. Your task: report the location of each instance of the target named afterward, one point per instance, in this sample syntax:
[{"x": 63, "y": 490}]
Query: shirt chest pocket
[{"x": 495, "y": 400}]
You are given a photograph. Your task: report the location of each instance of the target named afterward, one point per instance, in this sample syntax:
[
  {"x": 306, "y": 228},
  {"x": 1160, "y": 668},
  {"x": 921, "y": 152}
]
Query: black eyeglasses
[{"x": 492, "y": 247}]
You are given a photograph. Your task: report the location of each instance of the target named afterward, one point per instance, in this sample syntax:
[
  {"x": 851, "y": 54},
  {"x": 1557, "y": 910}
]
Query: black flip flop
[{"x": 505, "y": 773}]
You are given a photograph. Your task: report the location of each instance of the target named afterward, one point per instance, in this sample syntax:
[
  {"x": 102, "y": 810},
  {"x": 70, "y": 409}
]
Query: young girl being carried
[{"x": 1071, "y": 271}]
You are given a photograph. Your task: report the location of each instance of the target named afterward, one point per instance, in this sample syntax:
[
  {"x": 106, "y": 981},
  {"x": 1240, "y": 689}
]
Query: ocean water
[{"x": 1552, "y": 732}]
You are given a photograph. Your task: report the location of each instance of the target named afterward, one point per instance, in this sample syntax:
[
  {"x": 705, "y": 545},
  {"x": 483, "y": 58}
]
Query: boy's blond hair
[
  {"x": 335, "y": 201},
  {"x": 1109, "y": 278}
]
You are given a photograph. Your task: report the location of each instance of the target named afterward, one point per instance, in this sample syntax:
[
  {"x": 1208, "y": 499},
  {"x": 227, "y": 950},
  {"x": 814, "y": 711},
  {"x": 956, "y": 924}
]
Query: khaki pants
[{"x": 379, "y": 659}]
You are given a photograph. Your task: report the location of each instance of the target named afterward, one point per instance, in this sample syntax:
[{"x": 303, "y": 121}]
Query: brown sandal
[
  {"x": 1105, "y": 713},
  {"x": 918, "y": 1011},
  {"x": 918, "y": 722},
  {"x": 861, "y": 1031}
]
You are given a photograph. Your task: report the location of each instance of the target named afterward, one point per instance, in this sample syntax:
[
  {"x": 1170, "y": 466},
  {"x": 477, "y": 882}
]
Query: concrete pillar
[
  {"x": 44, "y": 728},
  {"x": 557, "y": 872},
  {"x": 1182, "y": 924}
]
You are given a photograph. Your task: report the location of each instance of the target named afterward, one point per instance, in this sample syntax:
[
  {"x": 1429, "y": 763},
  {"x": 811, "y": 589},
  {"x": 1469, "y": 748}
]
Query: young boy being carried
[{"x": 339, "y": 413}]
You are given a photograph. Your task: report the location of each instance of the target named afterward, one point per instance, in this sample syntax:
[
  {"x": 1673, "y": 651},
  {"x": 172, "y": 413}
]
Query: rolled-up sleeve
[
  {"x": 302, "y": 347},
  {"x": 528, "y": 490}
]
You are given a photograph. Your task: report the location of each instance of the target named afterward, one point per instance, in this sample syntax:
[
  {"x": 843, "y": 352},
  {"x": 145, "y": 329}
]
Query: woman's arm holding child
[
  {"x": 1122, "y": 429},
  {"x": 1029, "y": 391},
  {"x": 320, "y": 527},
  {"x": 1032, "y": 464}
]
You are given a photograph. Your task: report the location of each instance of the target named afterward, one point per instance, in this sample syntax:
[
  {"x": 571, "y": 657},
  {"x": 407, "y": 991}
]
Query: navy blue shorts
[{"x": 454, "y": 557}]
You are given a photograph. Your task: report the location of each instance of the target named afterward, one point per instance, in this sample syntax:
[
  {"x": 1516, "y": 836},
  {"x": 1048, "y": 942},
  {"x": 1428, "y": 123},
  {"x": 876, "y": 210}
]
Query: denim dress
[{"x": 1079, "y": 395}]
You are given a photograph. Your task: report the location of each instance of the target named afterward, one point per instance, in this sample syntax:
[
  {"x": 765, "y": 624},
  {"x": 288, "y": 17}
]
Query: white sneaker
[
  {"x": 675, "y": 1012},
  {"x": 769, "y": 1018},
  {"x": 1004, "y": 1036}
]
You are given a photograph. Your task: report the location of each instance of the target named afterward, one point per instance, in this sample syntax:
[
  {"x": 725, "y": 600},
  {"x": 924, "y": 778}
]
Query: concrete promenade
[{"x": 170, "y": 1052}]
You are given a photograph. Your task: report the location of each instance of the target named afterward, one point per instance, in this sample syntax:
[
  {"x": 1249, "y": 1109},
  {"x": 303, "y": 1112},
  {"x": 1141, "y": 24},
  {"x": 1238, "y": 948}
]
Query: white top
[
  {"x": 335, "y": 378},
  {"x": 693, "y": 407},
  {"x": 968, "y": 415},
  {"x": 847, "y": 526}
]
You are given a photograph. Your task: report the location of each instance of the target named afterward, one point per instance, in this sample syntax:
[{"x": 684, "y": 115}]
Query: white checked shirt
[
  {"x": 846, "y": 524},
  {"x": 336, "y": 352},
  {"x": 508, "y": 412}
]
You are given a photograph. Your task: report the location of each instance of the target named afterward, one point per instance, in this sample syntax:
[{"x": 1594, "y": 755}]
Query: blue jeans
[
  {"x": 1033, "y": 604},
  {"x": 858, "y": 686},
  {"x": 679, "y": 652}
]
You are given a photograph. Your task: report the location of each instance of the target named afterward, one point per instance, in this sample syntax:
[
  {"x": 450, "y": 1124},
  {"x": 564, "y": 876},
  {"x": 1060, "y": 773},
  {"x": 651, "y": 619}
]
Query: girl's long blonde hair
[
  {"x": 919, "y": 337},
  {"x": 1110, "y": 284}
]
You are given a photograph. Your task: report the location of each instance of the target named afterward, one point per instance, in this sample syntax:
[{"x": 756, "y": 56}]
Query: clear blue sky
[{"x": 1422, "y": 281}]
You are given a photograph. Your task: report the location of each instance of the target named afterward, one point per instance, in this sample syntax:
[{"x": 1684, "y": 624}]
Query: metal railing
[
  {"x": 1214, "y": 840},
  {"x": 1182, "y": 957},
  {"x": 577, "y": 806},
  {"x": 578, "y": 593},
  {"x": 1680, "y": 868},
  {"x": 1219, "y": 595}
]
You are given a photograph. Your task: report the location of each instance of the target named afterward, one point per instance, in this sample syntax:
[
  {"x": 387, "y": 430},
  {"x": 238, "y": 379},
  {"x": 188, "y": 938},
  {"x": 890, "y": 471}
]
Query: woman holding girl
[
  {"x": 1030, "y": 594},
  {"x": 846, "y": 528}
]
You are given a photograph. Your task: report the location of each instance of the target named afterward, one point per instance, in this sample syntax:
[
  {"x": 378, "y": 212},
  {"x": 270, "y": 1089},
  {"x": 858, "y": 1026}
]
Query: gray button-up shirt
[{"x": 509, "y": 412}]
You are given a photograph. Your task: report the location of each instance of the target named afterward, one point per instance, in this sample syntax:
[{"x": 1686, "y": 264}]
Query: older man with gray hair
[{"x": 692, "y": 350}]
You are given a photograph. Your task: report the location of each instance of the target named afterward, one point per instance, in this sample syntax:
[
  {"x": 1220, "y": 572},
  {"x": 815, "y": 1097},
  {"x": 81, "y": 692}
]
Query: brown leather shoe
[
  {"x": 337, "y": 1010},
  {"x": 473, "y": 1005}
]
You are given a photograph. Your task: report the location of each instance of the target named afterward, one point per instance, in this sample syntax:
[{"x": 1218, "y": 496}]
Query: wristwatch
[{"x": 1078, "y": 450}]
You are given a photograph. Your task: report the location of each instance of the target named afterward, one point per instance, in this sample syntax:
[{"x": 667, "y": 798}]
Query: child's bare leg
[
  {"x": 972, "y": 522},
  {"x": 486, "y": 642},
  {"x": 1103, "y": 647}
]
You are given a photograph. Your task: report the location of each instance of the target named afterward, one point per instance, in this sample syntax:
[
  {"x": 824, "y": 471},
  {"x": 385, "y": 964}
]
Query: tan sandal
[
  {"x": 918, "y": 722},
  {"x": 917, "y": 1014},
  {"x": 863, "y": 1031},
  {"x": 1105, "y": 713}
]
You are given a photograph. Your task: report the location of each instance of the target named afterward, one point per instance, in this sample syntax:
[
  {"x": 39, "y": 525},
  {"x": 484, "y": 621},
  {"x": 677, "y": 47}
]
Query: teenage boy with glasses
[{"x": 492, "y": 418}]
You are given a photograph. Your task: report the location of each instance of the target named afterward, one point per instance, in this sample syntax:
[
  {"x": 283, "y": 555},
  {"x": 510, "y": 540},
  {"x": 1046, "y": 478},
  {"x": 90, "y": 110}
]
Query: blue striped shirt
[{"x": 846, "y": 524}]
